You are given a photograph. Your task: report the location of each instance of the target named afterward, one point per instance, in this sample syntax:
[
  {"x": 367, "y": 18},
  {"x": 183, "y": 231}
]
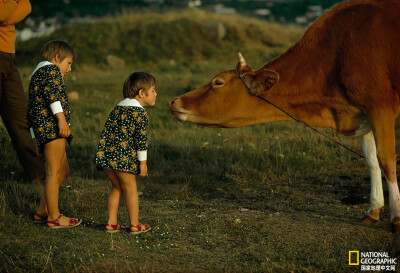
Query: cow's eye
[{"x": 218, "y": 82}]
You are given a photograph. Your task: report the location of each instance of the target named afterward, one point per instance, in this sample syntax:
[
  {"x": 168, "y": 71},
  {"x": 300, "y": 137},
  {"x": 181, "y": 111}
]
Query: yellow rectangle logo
[{"x": 354, "y": 257}]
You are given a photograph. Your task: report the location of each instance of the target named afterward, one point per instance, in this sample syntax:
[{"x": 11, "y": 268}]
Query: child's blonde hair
[
  {"x": 57, "y": 47},
  {"x": 137, "y": 81}
]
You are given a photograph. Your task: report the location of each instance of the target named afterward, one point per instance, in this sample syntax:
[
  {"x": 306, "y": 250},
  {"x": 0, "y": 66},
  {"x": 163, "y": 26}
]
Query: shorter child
[
  {"x": 48, "y": 116},
  {"x": 122, "y": 150}
]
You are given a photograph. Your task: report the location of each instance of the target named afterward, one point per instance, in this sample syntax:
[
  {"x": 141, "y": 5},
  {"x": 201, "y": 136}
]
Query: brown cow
[{"x": 343, "y": 74}]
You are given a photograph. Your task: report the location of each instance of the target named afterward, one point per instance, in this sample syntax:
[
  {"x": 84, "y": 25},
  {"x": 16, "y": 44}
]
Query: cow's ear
[{"x": 262, "y": 82}]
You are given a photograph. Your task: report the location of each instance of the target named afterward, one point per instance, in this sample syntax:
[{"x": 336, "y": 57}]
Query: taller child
[
  {"x": 12, "y": 98},
  {"x": 48, "y": 116}
]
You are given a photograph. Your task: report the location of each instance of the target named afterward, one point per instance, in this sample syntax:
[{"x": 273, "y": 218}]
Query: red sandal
[
  {"x": 140, "y": 228},
  {"x": 72, "y": 223},
  {"x": 39, "y": 219},
  {"x": 114, "y": 228}
]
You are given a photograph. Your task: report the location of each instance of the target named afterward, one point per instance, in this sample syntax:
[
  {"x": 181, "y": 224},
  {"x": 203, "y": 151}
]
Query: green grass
[{"x": 265, "y": 198}]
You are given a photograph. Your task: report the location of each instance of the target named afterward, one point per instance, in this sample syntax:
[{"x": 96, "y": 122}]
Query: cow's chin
[
  {"x": 180, "y": 115},
  {"x": 187, "y": 117}
]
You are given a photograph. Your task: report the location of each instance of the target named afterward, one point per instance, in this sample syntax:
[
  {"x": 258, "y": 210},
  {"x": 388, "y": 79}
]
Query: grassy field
[{"x": 265, "y": 198}]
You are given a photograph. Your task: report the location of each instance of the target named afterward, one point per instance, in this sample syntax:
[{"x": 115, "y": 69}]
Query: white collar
[
  {"x": 129, "y": 102},
  {"x": 40, "y": 65}
]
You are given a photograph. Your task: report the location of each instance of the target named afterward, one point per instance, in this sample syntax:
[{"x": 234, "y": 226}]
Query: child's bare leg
[
  {"x": 56, "y": 171},
  {"x": 114, "y": 197},
  {"x": 128, "y": 184},
  {"x": 63, "y": 175}
]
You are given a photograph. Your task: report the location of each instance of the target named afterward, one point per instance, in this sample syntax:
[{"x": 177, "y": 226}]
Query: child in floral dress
[
  {"x": 122, "y": 149},
  {"x": 48, "y": 117}
]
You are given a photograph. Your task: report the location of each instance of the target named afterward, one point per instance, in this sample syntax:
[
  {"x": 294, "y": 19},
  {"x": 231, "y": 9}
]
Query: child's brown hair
[
  {"x": 137, "y": 81},
  {"x": 57, "y": 47}
]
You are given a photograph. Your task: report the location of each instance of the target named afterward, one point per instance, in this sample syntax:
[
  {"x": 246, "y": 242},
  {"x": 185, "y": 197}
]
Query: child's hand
[
  {"x": 143, "y": 168},
  {"x": 63, "y": 127}
]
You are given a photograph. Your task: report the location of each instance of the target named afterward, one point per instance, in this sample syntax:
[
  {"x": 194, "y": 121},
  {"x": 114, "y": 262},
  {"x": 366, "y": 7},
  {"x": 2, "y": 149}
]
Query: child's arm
[
  {"x": 141, "y": 142},
  {"x": 63, "y": 127},
  {"x": 143, "y": 168}
]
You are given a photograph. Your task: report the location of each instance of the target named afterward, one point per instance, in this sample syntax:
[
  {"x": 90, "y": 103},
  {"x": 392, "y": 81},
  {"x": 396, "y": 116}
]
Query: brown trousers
[{"x": 12, "y": 112}]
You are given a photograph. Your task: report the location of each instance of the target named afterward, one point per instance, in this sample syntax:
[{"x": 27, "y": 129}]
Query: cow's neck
[{"x": 302, "y": 88}]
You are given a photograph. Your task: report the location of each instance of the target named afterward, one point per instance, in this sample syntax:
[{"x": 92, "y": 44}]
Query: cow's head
[{"x": 229, "y": 100}]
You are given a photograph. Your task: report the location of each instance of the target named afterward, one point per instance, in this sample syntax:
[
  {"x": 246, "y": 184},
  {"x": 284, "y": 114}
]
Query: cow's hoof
[
  {"x": 372, "y": 216},
  {"x": 369, "y": 219},
  {"x": 396, "y": 225}
]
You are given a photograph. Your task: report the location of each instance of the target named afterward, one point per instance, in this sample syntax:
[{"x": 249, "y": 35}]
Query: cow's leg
[
  {"x": 376, "y": 196},
  {"x": 383, "y": 127}
]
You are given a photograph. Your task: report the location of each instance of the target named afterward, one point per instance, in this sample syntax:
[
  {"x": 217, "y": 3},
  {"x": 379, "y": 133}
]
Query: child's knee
[
  {"x": 64, "y": 173},
  {"x": 128, "y": 188}
]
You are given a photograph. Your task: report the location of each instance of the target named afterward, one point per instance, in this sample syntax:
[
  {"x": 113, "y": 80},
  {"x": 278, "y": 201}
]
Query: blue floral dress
[
  {"x": 46, "y": 86},
  {"x": 124, "y": 134}
]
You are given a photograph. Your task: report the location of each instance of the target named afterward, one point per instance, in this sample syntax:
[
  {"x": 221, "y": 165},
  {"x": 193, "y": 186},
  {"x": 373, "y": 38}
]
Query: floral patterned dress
[
  {"x": 46, "y": 86},
  {"x": 124, "y": 134}
]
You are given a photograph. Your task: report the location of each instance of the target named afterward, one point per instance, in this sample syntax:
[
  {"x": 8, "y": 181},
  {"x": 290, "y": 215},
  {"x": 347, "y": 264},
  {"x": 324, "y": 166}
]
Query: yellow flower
[
  {"x": 49, "y": 124},
  {"x": 46, "y": 89},
  {"x": 135, "y": 114},
  {"x": 36, "y": 88},
  {"x": 123, "y": 130},
  {"x": 123, "y": 143},
  {"x": 40, "y": 129},
  {"x": 44, "y": 112},
  {"x": 52, "y": 73},
  {"x": 53, "y": 135},
  {"x": 100, "y": 154},
  {"x": 125, "y": 158},
  {"x": 143, "y": 132},
  {"x": 123, "y": 116},
  {"x": 139, "y": 119},
  {"x": 102, "y": 140},
  {"x": 134, "y": 153},
  {"x": 39, "y": 99},
  {"x": 112, "y": 148},
  {"x": 113, "y": 163},
  {"x": 52, "y": 97}
]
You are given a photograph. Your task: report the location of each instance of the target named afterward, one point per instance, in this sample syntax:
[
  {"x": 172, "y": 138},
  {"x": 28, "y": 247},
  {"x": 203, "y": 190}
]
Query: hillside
[{"x": 192, "y": 35}]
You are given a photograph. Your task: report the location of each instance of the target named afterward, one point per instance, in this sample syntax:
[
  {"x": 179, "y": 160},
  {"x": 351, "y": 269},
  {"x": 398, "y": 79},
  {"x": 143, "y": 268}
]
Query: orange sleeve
[
  {"x": 7, "y": 9},
  {"x": 22, "y": 10}
]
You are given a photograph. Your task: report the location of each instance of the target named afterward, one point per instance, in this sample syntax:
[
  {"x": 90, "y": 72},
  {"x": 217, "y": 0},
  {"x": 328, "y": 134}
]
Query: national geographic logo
[
  {"x": 372, "y": 261},
  {"x": 354, "y": 257}
]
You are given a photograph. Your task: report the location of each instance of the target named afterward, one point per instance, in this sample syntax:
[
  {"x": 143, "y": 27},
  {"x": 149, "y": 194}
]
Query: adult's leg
[
  {"x": 114, "y": 197},
  {"x": 12, "y": 111}
]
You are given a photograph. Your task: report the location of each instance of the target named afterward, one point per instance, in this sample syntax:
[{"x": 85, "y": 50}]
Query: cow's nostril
[{"x": 173, "y": 100}]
